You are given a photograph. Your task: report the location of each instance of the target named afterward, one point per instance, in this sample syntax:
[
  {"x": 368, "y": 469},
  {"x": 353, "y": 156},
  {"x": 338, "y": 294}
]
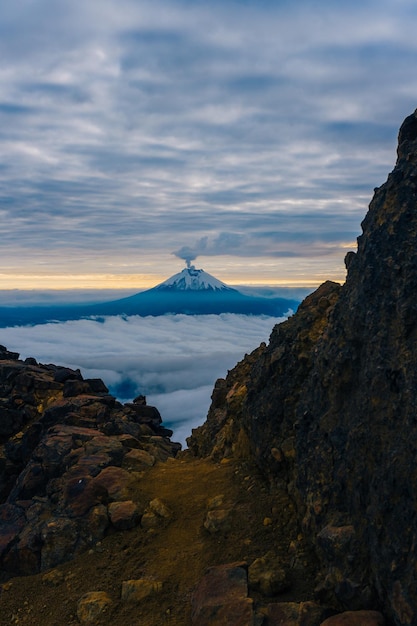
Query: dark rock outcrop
[
  {"x": 329, "y": 408},
  {"x": 66, "y": 451}
]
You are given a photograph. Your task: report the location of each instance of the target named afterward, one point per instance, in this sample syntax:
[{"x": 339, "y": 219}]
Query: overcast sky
[{"x": 250, "y": 132}]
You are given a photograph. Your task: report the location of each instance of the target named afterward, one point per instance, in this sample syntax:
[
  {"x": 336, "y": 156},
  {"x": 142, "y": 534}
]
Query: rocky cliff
[{"x": 329, "y": 408}]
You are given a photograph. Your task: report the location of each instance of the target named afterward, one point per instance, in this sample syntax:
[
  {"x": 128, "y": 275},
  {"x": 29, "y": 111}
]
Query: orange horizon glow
[{"x": 141, "y": 281}]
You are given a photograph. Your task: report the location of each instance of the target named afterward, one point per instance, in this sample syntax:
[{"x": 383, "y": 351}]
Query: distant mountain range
[{"x": 191, "y": 292}]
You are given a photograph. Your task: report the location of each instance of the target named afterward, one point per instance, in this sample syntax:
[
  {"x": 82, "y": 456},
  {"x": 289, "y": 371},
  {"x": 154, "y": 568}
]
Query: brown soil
[{"x": 175, "y": 553}]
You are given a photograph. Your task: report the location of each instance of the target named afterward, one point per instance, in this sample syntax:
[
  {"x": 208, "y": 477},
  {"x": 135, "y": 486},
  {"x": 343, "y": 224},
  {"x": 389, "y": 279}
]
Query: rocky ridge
[
  {"x": 103, "y": 520},
  {"x": 68, "y": 455},
  {"x": 328, "y": 409}
]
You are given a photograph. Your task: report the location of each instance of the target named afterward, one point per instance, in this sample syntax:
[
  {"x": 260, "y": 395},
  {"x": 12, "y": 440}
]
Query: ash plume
[{"x": 189, "y": 254}]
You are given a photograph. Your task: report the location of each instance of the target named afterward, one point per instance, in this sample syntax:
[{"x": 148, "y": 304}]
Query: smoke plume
[
  {"x": 224, "y": 243},
  {"x": 189, "y": 254}
]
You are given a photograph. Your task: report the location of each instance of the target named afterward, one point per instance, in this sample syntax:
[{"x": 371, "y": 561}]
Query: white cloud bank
[{"x": 174, "y": 360}]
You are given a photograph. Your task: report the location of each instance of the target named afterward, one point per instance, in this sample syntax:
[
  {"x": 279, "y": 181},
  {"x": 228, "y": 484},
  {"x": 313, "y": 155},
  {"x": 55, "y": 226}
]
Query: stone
[
  {"x": 159, "y": 507},
  {"x": 75, "y": 388},
  {"x": 156, "y": 514},
  {"x": 355, "y": 618},
  {"x": 141, "y": 399},
  {"x": 97, "y": 522},
  {"x": 267, "y": 575},
  {"x": 81, "y": 493},
  {"x": 53, "y": 578},
  {"x": 116, "y": 481},
  {"x": 296, "y": 614},
  {"x": 5, "y": 354},
  {"x": 97, "y": 386},
  {"x": 239, "y": 613},
  {"x": 145, "y": 414},
  {"x": 217, "y": 521},
  {"x": 61, "y": 374},
  {"x": 92, "y": 606},
  {"x": 150, "y": 520},
  {"x": 221, "y": 597},
  {"x": 138, "y": 460},
  {"x": 137, "y": 590},
  {"x": 123, "y": 515},
  {"x": 216, "y": 502}
]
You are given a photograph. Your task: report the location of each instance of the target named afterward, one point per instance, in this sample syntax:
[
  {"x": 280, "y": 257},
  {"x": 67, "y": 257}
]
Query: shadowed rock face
[
  {"x": 67, "y": 449},
  {"x": 330, "y": 408},
  {"x": 356, "y": 445}
]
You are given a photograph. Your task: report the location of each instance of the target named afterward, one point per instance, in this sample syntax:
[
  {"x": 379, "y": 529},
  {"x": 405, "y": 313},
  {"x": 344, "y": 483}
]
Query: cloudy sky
[
  {"x": 173, "y": 359},
  {"x": 250, "y": 133}
]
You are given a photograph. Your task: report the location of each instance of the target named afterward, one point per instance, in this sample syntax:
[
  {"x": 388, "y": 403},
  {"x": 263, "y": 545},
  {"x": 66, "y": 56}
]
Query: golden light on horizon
[
  {"x": 143, "y": 281},
  {"x": 79, "y": 281},
  {"x": 299, "y": 271}
]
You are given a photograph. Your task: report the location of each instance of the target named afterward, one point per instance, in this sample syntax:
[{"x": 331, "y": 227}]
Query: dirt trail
[{"x": 176, "y": 552}]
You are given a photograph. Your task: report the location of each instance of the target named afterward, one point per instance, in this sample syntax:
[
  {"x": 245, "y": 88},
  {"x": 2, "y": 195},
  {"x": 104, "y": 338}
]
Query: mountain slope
[
  {"x": 192, "y": 279},
  {"x": 195, "y": 292},
  {"x": 192, "y": 292},
  {"x": 328, "y": 409}
]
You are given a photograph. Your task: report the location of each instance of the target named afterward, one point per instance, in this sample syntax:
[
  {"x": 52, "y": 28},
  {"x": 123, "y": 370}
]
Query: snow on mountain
[
  {"x": 190, "y": 292},
  {"x": 192, "y": 279}
]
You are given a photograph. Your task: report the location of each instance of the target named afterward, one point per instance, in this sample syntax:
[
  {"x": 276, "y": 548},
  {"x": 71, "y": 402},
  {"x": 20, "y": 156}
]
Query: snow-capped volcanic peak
[{"x": 191, "y": 279}]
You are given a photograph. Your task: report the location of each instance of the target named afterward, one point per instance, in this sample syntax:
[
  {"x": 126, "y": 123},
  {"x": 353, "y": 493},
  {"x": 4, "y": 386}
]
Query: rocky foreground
[
  {"x": 104, "y": 521},
  {"x": 296, "y": 502}
]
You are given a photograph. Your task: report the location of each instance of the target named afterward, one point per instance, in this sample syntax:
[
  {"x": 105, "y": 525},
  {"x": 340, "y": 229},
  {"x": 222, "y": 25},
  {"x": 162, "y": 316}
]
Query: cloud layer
[
  {"x": 174, "y": 360},
  {"x": 132, "y": 129}
]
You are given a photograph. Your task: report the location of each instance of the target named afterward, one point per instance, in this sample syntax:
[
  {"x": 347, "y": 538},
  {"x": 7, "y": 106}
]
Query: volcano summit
[
  {"x": 195, "y": 292},
  {"x": 191, "y": 292},
  {"x": 191, "y": 279}
]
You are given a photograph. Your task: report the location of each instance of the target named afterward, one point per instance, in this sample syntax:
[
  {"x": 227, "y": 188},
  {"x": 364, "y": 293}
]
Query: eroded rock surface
[
  {"x": 63, "y": 442},
  {"x": 328, "y": 408}
]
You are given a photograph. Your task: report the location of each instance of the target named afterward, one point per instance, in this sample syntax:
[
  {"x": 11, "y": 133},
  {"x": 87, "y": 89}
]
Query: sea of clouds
[{"x": 174, "y": 359}]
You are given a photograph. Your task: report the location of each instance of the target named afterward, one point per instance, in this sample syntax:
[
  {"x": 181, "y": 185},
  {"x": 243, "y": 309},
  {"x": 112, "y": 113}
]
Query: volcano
[
  {"x": 191, "y": 292},
  {"x": 196, "y": 292},
  {"x": 191, "y": 279}
]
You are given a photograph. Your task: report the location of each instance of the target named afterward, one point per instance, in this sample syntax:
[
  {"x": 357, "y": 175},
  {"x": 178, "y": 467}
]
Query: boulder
[
  {"x": 138, "y": 460},
  {"x": 138, "y": 590},
  {"x": 355, "y": 618},
  {"x": 217, "y": 521},
  {"x": 159, "y": 507},
  {"x": 123, "y": 515},
  {"x": 115, "y": 481},
  {"x": 92, "y": 605},
  {"x": 221, "y": 597}
]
